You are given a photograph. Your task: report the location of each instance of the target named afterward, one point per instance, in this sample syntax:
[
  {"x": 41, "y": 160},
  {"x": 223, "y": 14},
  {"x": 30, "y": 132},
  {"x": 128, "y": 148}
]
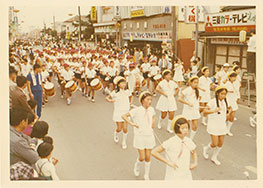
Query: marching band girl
[
  {"x": 113, "y": 72},
  {"x": 154, "y": 70},
  {"x": 103, "y": 75},
  {"x": 121, "y": 98},
  {"x": 82, "y": 76},
  {"x": 205, "y": 84},
  {"x": 145, "y": 68},
  {"x": 143, "y": 121},
  {"x": 232, "y": 99},
  {"x": 217, "y": 112},
  {"x": 167, "y": 103},
  {"x": 190, "y": 99},
  {"x": 178, "y": 149},
  {"x": 67, "y": 75},
  {"x": 178, "y": 72},
  {"x": 237, "y": 83},
  {"x": 90, "y": 74}
]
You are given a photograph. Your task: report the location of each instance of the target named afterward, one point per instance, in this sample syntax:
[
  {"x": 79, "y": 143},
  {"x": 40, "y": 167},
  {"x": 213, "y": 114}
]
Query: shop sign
[
  {"x": 234, "y": 21},
  {"x": 189, "y": 14},
  {"x": 137, "y": 11},
  {"x": 105, "y": 29},
  {"x": 93, "y": 15},
  {"x": 230, "y": 41},
  {"x": 157, "y": 36}
]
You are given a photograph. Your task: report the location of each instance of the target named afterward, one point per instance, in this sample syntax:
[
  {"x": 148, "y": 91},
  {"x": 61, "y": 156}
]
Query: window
[
  {"x": 145, "y": 25},
  {"x": 138, "y": 25},
  {"x": 124, "y": 26},
  {"x": 130, "y": 25}
]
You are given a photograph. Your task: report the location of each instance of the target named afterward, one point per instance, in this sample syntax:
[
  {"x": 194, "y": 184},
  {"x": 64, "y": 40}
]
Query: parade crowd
[{"x": 38, "y": 67}]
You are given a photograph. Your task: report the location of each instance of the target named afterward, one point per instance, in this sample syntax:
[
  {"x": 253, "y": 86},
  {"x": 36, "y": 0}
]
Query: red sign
[
  {"x": 157, "y": 26},
  {"x": 230, "y": 28}
]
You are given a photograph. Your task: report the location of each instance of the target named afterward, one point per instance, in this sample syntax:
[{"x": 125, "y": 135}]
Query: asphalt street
[{"x": 84, "y": 146}]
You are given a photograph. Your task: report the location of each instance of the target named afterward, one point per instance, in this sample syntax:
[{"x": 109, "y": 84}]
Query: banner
[
  {"x": 151, "y": 36},
  {"x": 93, "y": 14},
  {"x": 233, "y": 21},
  {"x": 137, "y": 11},
  {"x": 189, "y": 14}
]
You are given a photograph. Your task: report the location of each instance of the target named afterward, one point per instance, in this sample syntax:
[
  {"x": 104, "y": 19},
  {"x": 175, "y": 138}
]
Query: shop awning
[{"x": 103, "y": 24}]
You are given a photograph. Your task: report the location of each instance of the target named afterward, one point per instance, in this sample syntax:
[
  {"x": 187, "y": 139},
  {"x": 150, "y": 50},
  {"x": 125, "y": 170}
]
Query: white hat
[{"x": 226, "y": 65}]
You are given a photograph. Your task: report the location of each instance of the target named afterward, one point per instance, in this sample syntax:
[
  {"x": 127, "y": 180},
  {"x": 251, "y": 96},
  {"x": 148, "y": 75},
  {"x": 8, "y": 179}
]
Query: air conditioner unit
[{"x": 145, "y": 25}]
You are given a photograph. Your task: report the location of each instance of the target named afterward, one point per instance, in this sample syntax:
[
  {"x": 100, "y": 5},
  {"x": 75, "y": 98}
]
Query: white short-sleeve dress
[
  {"x": 165, "y": 104},
  {"x": 191, "y": 113},
  {"x": 121, "y": 104},
  {"x": 216, "y": 124},
  {"x": 204, "y": 83},
  {"x": 179, "y": 153},
  {"x": 231, "y": 97},
  {"x": 143, "y": 136},
  {"x": 178, "y": 73}
]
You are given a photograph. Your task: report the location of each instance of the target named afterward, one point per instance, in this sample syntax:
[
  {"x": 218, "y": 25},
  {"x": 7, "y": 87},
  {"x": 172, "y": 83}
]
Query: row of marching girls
[{"x": 220, "y": 111}]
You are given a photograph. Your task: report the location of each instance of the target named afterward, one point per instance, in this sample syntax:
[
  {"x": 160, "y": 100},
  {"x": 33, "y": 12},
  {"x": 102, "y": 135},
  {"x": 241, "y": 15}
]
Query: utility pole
[
  {"x": 54, "y": 22},
  {"x": 196, "y": 31},
  {"x": 79, "y": 24},
  {"x": 174, "y": 47}
]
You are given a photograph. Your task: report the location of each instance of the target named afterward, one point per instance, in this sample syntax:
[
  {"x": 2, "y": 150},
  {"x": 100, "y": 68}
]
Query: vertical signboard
[{"x": 93, "y": 14}]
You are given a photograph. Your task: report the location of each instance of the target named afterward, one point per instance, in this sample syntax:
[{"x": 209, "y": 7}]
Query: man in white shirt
[{"x": 251, "y": 53}]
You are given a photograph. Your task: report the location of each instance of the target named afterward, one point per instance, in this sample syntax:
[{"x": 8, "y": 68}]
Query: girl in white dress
[
  {"x": 178, "y": 72},
  {"x": 237, "y": 83},
  {"x": 143, "y": 121},
  {"x": 167, "y": 103},
  {"x": 205, "y": 84},
  {"x": 217, "y": 112},
  {"x": 232, "y": 99},
  {"x": 190, "y": 98},
  {"x": 178, "y": 150},
  {"x": 154, "y": 70},
  {"x": 121, "y": 99}
]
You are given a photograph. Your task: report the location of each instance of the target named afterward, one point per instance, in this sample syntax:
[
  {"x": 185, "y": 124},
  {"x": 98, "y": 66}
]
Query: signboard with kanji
[
  {"x": 189, "y": 13},
  {"x": 233, "y": 21},
  {"x": 93, "y": 15},
  {"x": 137, "y": 11}
]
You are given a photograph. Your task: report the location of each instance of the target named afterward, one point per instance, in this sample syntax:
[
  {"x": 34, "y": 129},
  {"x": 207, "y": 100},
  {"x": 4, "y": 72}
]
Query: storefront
[
  {"x": 105, "y": 32},
  {"x": 152, "y": 31},
  {"x": 221, "y": 37}
]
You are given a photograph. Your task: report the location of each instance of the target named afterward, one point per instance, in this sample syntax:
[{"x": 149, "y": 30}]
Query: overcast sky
[{"x": 35, "y": 16}]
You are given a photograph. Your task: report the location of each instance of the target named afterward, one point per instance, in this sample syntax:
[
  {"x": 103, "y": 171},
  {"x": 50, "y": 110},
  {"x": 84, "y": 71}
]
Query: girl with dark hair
[
  {"x": 205, "y": 84},
  {"x": 237, "y": 83},
  {"x": 143, "y": 118},
  {"x": 178, "y": 72},
  {"x": 231, "y": 98},
  {"x": 178, "y": 149},
  {"x": 121, "y": 98},
  {"x": 167, "y": 103},
  {"x": 39, "y": 130},
  {"x": 217, "y": 112},
  {"x": 190, "y": 98}
]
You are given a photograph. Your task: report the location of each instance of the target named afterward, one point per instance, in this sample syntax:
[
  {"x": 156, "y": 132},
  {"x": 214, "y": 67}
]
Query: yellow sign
[
  {"x": 137, "y": 13},
  {"x": 93, "y": 15}
]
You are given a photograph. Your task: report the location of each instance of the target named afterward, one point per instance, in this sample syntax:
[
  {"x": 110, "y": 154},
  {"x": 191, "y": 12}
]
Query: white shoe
[
  {"x": 68, "y": 101},
  {"x": 154, "y": 94},
  {"x": 159, "y": 126},
  {"x": 62, "y": 97},
  {"x": 136, "y": 170},
  {"x": 124, "y": 146},
  {"x": 235, "y": 119},
  {"x": 79, "y": 89},
  {"x": 146, "y": 177},
  {"x": 230, "y": 134},
  {"x": 89, "y": 98},
  {"x": 214, "y": 160},
  {"x": 205, "y": 154},
  {"x": 252, "y": 122},
  {"x": 93, "y": 100},
  {"x": 204, "y": 123}
]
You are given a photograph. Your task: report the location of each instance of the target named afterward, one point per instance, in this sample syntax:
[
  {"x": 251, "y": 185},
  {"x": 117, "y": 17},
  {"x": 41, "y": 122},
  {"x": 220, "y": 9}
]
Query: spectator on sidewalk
[
  {"x": 35, "y": 87},
  {"x": 12, "y": 83},
  {"x": 21, "y": 145}
]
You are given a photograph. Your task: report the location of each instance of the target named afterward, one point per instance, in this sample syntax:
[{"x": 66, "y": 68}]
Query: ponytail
[
  {"x": 226, "y": 106},
  {"x": 196, "y": 93},
  {"x": 217, "y": 103}
]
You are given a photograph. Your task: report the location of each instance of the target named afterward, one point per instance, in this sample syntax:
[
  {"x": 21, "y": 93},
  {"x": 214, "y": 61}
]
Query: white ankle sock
[
  {"x": 169, "y": 125},
  {"x": 229, "y": 125}
]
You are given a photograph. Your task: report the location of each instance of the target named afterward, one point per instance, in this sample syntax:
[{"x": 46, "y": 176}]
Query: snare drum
[
  {"x": 71, "y": 86},
  {"x": 158, "y": 78},
  {"x": 96, "y": 84},
  {"x": 143, "y": 82},
  {"x": 49, "y": 89}
]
